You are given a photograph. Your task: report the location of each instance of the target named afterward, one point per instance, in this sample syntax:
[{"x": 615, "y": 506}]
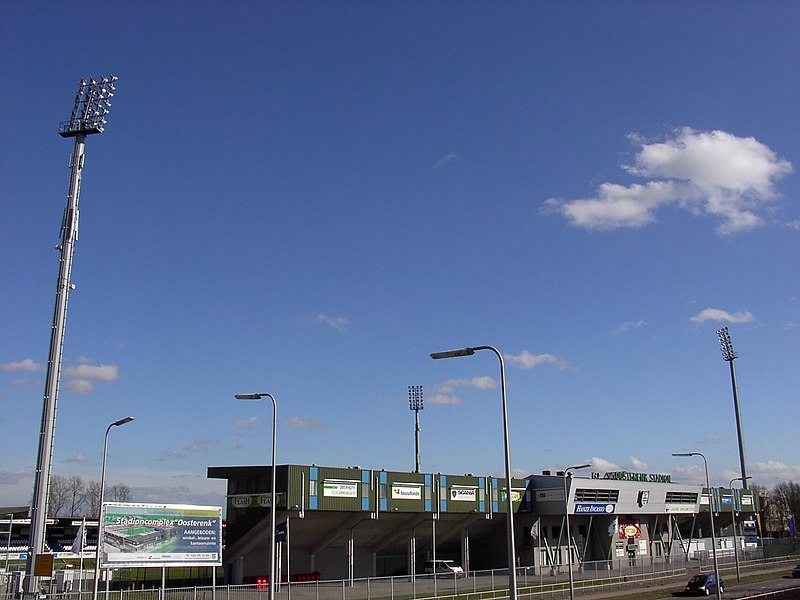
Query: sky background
[{"x": 308, "y": 198}]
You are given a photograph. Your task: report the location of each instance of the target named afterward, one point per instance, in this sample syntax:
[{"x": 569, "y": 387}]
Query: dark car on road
[
  {"x": 796, "y": 571},
  {"x": 704, "y": 584}
]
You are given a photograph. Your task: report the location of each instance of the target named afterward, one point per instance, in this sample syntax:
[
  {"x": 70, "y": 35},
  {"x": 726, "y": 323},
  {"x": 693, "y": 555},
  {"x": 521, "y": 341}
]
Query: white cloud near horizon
[
  {"x": 717, "y": 314},
  {"x": 769, "y": 471},
  {"x": 25, "y": 365},
  {"x": 708, "y": 173},
  {"x": 526, "y": 360},
  {"x": 601, "y": 465}
]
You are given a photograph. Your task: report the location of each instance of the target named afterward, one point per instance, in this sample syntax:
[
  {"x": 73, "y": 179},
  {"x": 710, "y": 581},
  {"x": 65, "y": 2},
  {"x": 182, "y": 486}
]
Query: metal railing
[{"x": 547, "y": 582}]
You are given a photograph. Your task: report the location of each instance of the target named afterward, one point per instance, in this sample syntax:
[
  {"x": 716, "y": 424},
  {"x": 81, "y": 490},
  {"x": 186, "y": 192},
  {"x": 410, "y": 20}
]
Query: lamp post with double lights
[
  {"x": 711, "y": 514},
  {"x": 91, "y": 106},
  {"x": 733, "y": 514},
  {"x": 729, "y": 355},
  {"x": 569, "y": 536},
  {"x": 512, "y": 560},
  {"x": 102, "y": 496},
  {"x": 273, "y": 500}
]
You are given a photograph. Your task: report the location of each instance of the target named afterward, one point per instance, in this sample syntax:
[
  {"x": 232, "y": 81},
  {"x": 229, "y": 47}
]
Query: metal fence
[{"x": 548, "y": 582}]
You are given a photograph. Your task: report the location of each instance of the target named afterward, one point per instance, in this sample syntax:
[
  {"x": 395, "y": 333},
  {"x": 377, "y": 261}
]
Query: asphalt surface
[{"x": 733, "y": 590}]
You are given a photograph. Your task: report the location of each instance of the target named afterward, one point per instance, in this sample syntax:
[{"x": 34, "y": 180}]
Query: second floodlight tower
[
  {"x": 89, "y": 112},
  {"x": 415, "y": 404},
  {"x": 729, "y": 355}
]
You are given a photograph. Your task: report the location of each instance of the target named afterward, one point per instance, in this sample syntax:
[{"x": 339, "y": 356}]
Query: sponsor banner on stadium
[
  {"x": 160, "y": 535},
  {"x": 406, "y": 491},
  {"x": 629, "y": 530},
  {"x": 463, "y": 493},
  {"x": 594, "y": 508},
  {"x": 338, "y": 488},
  {"x": 259, "y": 500},
  {"x": 516, "y": 495}
]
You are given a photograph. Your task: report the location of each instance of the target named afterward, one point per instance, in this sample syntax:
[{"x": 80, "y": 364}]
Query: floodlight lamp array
[
  {"x": 415, "y": 397},
  {"x": 92, "y": 104},
  {"x": 726, "y": 345}
]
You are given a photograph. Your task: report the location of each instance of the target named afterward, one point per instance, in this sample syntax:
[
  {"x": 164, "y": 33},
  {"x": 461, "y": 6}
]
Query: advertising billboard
[{"x": 160, "y": 535}]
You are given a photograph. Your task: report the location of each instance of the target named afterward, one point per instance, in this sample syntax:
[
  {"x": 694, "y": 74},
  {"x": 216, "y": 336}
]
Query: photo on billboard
[{"x": 160, "y": 535}]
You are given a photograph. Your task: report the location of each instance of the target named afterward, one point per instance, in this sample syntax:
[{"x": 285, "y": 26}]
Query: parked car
[
  {"x": 704, "y": 583},
  {"x": 796, "y": 571},
  {"x": 447, "y": 567}
]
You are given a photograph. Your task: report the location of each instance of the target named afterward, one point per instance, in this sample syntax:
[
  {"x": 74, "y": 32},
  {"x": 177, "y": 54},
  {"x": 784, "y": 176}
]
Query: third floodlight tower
[{"x": 89, "y": 112}]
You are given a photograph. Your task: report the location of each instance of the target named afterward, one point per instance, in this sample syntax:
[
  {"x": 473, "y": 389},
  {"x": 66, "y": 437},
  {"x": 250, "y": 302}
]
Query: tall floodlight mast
[
  {"x": 92, "y": 104},
  {"x": 729, "y": 355},
  {"x": 415, "y": 404}
]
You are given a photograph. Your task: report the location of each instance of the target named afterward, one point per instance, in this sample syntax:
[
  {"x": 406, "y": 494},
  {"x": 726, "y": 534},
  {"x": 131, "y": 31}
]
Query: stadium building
[{"x": 345, "y": 523}]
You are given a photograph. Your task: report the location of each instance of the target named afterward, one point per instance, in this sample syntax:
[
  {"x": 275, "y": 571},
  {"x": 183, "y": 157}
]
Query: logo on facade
[
  {"x": 644, "y": 498},
  {"x": 594, "y": 509}
]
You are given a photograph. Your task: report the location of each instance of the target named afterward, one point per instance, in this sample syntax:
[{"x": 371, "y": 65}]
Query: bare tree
[
  {"x": 786, "y": 499},
  {"x": 92, "y": 499},
  {"x": 75, "y": 496},
  {"x": 120, "y": 492},
  {"x": 57, "y": 495}
]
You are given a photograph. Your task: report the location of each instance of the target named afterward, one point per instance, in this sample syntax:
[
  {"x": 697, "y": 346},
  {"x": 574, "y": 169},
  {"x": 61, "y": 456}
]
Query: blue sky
[{"x": 308, "y": 198}]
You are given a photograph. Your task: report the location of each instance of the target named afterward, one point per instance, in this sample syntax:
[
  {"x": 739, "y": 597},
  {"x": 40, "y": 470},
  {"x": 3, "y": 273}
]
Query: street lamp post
[
  {"x": 512, "y": 560},
  {"x": 8, "y": 543},
  {"x": 102, "y": 496},
  {"x": 274, "y": 500},
  {"x": 733, "y": 514},
  {"x": 415, "y": 404},
  {"x": 92, "y": 104},
  {"x": 729, "y": 355},
  {"x": 711, "y": 513},
  {"x": 569, "y": 536}
]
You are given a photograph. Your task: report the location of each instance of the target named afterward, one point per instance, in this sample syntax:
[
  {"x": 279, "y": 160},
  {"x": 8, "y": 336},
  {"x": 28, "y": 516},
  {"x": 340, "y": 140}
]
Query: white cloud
[
  {"x": 444, "y": 399},
  {"x": 628, "y": 325},
  {"x": 14, "y": 476},
  {"x": 298, "y": 422},
  {"x": 689, "y": 474},
  {"x": 526, "y": 360},
  {"x": 639, "y": 464},
  {"x": 717, "y": 314},
  {"x": 769, "y": 471},
  {"x": 601, "y": 465},
  {"x": 200, "y": 445},
  {"x": 445, "y": 160},
  {"x": 80, "y": 386},
  {"x": 25, "y": 365},
  {"x": 93, "y": 372},
  {"x": 337, "y": 323},
  {"x": 706, "y": 172},
  {"x": 246, "y": 423},
  {"x": 478, "y": 383},
  {"x": 76, "y": 458}
]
